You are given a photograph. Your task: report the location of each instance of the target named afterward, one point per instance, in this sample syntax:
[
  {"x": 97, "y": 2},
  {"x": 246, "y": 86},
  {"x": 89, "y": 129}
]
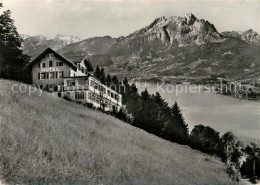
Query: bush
[{"x": 89, "y": 105}]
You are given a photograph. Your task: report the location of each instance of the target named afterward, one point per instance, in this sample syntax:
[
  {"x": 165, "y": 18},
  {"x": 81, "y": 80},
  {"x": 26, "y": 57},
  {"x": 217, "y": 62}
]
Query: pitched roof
[
  {"x": 49, "y": 50},
  {"x": 76, "y": 59}
]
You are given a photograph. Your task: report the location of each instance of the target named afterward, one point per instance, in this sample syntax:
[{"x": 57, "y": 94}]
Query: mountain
[
  {"x": 92, "y": 46},
  {"x": 165, "y": 33},
  {"x": 47, "y": 140},
  {"x": 185, "y": 48},
  {"x": 33, "y": 45},
  {"x": 249, "y": 36},
  {"x": 175, "y": 49}
]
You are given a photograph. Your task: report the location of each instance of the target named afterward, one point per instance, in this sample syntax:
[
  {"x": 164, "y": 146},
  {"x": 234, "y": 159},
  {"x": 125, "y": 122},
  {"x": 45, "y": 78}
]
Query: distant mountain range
[
  {"x": 169, "y": 49},
  {"x": 33, "y": 45}
]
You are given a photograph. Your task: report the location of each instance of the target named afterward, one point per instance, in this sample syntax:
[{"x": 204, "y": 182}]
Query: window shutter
[
  {"x": 62, "y": 74},
  {"x": 47, "y": 75},
  {"x": 39, "y": 76}
]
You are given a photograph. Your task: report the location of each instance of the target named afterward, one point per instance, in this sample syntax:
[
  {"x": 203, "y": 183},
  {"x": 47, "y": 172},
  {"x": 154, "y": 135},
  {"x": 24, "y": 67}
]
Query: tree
[
  {"x": 145, "y": 94},
  {"x": 102, "y": 77},
  {"x": 176, "y": 112},
  {"x": 252, "y": 164},
  {"x": 97, "y": 72},
  {"x": 232, "y": 149},
  {"x": 12, "y": 59},
  {"x": 206, "y": 139},
  {"x": 108, "y": 80}
]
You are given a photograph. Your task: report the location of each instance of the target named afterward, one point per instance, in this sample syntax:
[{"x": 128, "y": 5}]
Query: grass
[{"x": 47, "y": 140}]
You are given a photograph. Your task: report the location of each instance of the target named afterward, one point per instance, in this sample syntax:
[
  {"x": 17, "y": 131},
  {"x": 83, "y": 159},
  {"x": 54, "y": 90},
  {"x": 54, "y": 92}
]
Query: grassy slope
[{"x": 49, "y": 139}]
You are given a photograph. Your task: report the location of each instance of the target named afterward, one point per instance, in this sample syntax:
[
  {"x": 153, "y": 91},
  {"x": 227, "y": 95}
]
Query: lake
[{"x": 223, "y": 113}]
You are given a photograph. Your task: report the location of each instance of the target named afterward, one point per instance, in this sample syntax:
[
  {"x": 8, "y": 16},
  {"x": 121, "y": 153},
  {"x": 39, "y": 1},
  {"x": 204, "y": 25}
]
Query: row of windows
[
  {"x": 50, "y": 64},
  {"x": 95, "y": 98},
  {"x": 50, "y": 75},
  {"x": 79, "y": 95},
  {"x": 103, "y": 89}
]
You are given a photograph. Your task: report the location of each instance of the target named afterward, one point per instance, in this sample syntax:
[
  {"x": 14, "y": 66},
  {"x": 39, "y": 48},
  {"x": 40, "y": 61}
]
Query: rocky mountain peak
[{"x": 190, "y": 18}]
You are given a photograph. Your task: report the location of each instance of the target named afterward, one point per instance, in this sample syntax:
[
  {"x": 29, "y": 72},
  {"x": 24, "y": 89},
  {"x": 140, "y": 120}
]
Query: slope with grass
[{"x": 49, "y": 140}]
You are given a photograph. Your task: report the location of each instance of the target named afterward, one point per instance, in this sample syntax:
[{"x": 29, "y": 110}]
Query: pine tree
[
  {"x": 102, "y": 77},
  {"x": 108, "y": 80},
  {"x": 176, "y": 112},
  {"x": 145, "y": 95},
  {"x": 97, "y": 72}
]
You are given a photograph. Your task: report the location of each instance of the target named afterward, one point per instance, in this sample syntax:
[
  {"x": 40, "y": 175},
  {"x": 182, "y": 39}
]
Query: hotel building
[{"x": 72, "y": 77}]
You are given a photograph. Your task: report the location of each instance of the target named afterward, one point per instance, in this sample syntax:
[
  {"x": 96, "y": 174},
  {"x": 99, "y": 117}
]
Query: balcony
[{"x": 76, "y": 88}]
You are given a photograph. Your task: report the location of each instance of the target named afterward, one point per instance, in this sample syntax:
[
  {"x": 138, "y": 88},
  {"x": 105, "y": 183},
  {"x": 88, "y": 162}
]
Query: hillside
[{"x": 45, "y": 139}]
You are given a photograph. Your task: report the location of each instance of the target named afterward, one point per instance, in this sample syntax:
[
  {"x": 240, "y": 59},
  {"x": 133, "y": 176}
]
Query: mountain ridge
[
  {"x": 33, "y": 45},
  {"x": 173, "y": 49}
]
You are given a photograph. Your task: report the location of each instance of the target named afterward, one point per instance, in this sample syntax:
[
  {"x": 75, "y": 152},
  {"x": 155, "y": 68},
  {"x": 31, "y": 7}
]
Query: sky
[{"x": 85, "y": 18}]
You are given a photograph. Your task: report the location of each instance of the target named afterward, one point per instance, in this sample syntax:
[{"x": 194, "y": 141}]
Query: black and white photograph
[{"x": 129, "y": 92}]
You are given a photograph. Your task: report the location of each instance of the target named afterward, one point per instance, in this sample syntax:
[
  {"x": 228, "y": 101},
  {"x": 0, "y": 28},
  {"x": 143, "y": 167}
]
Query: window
[
  {"x": 81, "y": 81},
  {"x": 55, "y": 88},
  {"x": 43, "y": 65},
  {"x": 50, "y": 55},
  {"x": 79, "y": 95},
  {"x": 90, "y": 96},
  {"x": 50, "y": 87},
  {"x": 71, "y": 83},
  {"x": 112, "y": 95},
  {"x": 39, "y": 76},
  {"x": 50, "y": 63},
  {"x": 60, "y": 74},
  {"x": 59, "y": 63},
  {"x": 51, "y": 75},
  {"x": 42, "y": 76}
]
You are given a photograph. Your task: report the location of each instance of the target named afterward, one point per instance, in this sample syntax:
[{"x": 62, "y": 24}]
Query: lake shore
[{"x": 221, "y": 112}]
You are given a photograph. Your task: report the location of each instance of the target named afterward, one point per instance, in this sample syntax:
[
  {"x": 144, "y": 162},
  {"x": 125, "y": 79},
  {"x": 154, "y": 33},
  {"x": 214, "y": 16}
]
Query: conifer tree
[
  {"x": 176, "y": 112},
  {"x": 108, "y": 80},
  {"x": 97, "y": 72},
  {"x": 145, "y": 95},
  {"x": 102, "y": 77}
]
